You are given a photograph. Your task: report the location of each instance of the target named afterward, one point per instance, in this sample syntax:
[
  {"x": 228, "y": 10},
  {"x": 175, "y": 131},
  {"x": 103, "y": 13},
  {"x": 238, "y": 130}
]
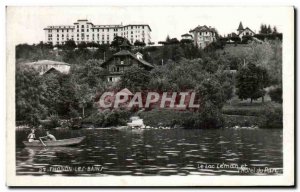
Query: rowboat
[{"x": 62, "y": 142}]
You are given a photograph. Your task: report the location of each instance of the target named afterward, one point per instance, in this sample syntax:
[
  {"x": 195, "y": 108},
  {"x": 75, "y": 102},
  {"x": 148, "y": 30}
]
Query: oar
[{"x": 42, "y": 142}]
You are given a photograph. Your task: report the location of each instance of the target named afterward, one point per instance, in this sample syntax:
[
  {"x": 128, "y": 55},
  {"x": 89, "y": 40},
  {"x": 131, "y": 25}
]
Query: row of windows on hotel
[
  {"x": 93, "y": 37},
  {"x": 87, "y": 30},
  {"x": 102, "y": 42},
  {"x": 98, "y": 35},
  {"x": 87, "y": 26}
]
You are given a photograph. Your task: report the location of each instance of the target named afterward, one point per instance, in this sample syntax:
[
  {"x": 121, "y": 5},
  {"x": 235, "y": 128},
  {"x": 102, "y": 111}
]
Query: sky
[{"x": 27, "y": 23}]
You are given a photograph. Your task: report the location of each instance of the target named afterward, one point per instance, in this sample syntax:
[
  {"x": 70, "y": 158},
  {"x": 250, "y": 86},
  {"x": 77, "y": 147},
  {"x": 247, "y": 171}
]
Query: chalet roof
[
  {"x": 128, "y": 53},
  {"x": 240, "y": 28},
  {"x": 204, "y": 28},
  {"x": 186, "y": 34}
]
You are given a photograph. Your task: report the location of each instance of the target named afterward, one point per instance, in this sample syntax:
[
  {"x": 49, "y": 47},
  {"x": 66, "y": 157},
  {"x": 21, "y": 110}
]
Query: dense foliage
[
  {"x": 178, "y": 66},
  {"x": 251, "y": 81},
  {"x": 276, "y": 94}
]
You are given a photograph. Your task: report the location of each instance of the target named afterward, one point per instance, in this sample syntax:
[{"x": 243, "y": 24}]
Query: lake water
[{"x": 155, "y": 152}]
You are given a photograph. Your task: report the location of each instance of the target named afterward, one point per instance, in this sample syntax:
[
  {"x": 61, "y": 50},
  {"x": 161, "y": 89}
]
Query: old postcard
[{"x": 150, "y": 96}]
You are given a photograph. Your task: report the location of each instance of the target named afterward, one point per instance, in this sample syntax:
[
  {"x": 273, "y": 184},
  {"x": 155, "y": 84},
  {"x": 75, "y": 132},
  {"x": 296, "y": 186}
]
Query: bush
[
  {"x": 245, "y": 111},
  {"x": 209, "y": 117},
  {"x": 271, "y": 118},
  {"x": 108, "y": 118},
  {"x": 118, "y": 117},
  {"x": 240, "y": 120},
  {"x": 165, "y": 118},
  {"x": 53, "y": 121},
  {"x": 276, "y": 95}
]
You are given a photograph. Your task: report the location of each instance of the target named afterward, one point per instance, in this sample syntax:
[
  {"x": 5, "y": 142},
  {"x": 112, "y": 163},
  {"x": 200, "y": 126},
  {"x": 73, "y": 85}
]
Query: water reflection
[{"x": 156, "y": 152}]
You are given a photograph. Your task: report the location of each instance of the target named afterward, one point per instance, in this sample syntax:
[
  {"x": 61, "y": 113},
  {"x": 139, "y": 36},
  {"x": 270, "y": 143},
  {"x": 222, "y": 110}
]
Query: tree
[
  {"x": 84, "y": 95},
  {"x": 251, "y": 81},
  {"x": 168, "y": 39},
  {"x": 139, "y": 43},
  {"x": 177, "y": 53},
  {"x": 82, "y": 45},
  {"x": 276, "y": 94},
  {"x": 173, "y": 41},
  {"x": 29, "y": 97},
  {"x": 135, "y": 78},
  {"x": 118, "y": 41},
  {"x": 90, "y": 72},
  {"x": 263, "y": 29},
  {"x": 69, "y": 45},
  {"x": 186, "y": 41},
  {"x": 275, "y": 30},
  {"x": 269, "y": 29}
]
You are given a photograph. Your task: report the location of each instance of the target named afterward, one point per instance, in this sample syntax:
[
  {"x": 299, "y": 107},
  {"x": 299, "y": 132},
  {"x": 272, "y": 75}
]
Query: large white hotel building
[{"x": 85, "y": 31}]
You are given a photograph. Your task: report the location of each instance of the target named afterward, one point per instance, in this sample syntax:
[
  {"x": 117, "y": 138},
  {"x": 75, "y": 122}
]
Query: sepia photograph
[{"x": 150, "y": 96}]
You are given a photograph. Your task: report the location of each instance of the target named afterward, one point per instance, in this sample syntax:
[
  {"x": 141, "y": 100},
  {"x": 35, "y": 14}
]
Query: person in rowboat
[
  {"x": 31, "y": 136},
  {"x": 49, "y": 137}
]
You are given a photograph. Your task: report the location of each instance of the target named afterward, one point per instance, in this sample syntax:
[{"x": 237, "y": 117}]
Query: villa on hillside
[
  {"x": 122, "y": 60},
  {"x": 241, "y": 32},
  {"x": 203, "y": 35}
]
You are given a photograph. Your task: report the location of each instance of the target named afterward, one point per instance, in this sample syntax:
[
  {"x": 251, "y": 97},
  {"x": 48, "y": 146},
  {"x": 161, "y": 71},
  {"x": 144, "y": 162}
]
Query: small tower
[{"x": 240, "y": 28}]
